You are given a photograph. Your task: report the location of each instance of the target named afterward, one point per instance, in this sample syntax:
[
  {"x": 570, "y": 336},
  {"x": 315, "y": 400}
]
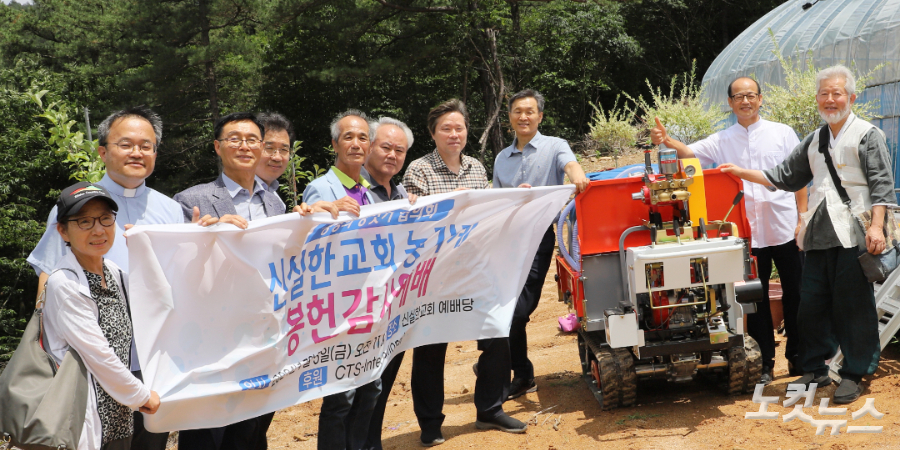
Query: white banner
[{"x": 231, "y": 324}]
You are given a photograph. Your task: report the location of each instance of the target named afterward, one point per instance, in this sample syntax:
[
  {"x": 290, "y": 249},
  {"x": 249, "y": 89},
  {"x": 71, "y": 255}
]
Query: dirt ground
[{"x": 563, "y": 414}]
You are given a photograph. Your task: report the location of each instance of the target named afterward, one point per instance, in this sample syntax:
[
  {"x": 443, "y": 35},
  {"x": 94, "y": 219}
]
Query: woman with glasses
[{"x": 86, "y": 310}]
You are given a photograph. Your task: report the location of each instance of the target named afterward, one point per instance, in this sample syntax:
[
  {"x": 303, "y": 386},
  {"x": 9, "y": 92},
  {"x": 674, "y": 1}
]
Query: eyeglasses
[
  {"x": 835, "y": 95},
  {"x": 740, "y": 97},
  {"x": 234, "y": 142},
  {"x": 127, "y": 147},
  {"x": 87, "y": 223},
  {"x": 271, "y": 150}
]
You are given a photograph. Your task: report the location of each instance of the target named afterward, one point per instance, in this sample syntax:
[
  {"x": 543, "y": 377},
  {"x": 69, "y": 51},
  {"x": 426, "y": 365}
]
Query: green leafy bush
[
  {"x": 612, "y": 131},
  {"x": 681, "y": 110},
  {"x": 794, "y": 103},
  {"x": 295, "y": 174},
  {"x": 80, "y": 154}
]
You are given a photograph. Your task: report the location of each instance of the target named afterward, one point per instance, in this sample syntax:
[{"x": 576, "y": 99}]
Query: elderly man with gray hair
[
  {"x": 344, "y": 184},
  {"x": 344, "y": 418},
  {"x": 391, "y": 140},
  {"x": 837, "y": 303}
]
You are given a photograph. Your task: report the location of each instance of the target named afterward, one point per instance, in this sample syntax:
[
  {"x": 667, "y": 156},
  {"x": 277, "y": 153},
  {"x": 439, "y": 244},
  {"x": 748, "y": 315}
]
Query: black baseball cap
[{"x": 75, "y": 196}]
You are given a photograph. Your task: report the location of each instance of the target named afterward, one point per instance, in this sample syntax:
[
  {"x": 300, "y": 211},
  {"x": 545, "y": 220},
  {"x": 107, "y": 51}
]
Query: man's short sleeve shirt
[
  {"x": 541, "y": 162},
  {"x": 141, "y": 206},
  {"x": 761, "y": 146},
  {"x": 430, "y": 175}
]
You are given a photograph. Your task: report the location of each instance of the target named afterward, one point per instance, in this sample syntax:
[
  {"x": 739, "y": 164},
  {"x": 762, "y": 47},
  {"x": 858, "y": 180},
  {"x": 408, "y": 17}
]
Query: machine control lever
[
  {"x": 737, "y": 199},
  {"x": 702, "y": 230}
]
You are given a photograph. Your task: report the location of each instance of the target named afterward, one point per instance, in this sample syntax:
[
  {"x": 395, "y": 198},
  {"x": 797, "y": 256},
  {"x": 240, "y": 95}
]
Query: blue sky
[{"x": 19, "y": 1}]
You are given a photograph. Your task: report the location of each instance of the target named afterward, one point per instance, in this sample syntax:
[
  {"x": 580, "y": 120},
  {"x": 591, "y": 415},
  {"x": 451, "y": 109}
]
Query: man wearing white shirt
[
  {"x": 758, "y": 144},
  {"x": 847, "y": 162},
  {"x": 128, "y": 146}
]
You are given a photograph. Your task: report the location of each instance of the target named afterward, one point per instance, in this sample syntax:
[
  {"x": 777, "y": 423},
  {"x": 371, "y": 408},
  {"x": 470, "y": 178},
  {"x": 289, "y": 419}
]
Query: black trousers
[
  {"x": 373, "y": 441},
  {"x": 526, "y": 304},
  {"x": 428, "y": 386},
  {"x": 491, "y": 386},
  {"x": 143, "y": 439},
  {"x": 837, "y": 308},
  {"x": 248, "y": 434},
  {"x": 788, "y": 261},
  {"x": 345, "y": 417}
]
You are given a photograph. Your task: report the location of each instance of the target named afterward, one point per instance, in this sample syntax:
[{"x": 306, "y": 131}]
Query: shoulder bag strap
[
  {"x": 40, "y": 311},
  {"x": 823, "y": 149}
]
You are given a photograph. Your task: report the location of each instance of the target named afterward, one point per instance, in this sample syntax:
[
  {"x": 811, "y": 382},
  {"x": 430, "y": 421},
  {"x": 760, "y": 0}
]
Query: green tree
[{"x": 31, "y": 172}]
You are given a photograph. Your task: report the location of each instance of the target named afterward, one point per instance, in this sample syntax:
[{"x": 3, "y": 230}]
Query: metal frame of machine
[{"x": 660, "y": 290}]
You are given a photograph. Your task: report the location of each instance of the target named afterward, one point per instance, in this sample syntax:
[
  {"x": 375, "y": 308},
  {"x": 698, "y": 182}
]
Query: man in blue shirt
[
  {"x": 128, "y": 146},
  {"x": 532, "y": 160}
]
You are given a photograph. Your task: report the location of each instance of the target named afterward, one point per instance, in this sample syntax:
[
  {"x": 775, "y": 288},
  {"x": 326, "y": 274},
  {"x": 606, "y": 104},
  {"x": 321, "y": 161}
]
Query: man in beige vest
[{"x": 837, "y": 303}]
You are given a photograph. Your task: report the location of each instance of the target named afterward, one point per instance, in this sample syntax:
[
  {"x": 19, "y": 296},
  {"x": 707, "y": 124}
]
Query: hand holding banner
[{"x": 230, "y": 324}]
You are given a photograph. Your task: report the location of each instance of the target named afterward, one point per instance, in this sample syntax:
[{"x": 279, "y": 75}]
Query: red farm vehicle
[{"x": 657, "y": 268}]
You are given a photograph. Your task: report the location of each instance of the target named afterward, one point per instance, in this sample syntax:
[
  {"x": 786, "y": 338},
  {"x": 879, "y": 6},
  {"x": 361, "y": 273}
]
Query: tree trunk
[
  {"x": 209, "y": 63},
  {"x": 494, "y": 91},
  {"x": 513, "y": 46}
]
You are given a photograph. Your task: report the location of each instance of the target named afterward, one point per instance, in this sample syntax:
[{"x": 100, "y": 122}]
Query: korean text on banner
[{"x": 236, "y": 323}]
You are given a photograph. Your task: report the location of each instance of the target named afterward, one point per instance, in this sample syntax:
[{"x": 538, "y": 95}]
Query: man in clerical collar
[
  {"x": 344, "y": 184},
  {"x": 391, "y": 140},
  {"x": 129, "y": 140}
]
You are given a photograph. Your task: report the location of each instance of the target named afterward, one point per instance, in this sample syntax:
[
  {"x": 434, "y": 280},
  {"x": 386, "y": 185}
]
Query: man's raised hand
[{"x": 658, "y": 133}]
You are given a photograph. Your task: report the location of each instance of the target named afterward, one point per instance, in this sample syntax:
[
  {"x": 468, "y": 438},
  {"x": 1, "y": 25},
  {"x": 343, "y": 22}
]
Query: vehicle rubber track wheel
[
  {"x": 753, "y": 364},
  {"x": 627, "y": 376},
  {"x": 737, "y": 359},
  {"x": 603, "y": 368}
]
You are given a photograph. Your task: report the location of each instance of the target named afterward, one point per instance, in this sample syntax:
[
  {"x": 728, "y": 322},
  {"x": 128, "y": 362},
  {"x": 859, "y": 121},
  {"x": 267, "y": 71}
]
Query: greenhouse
[{"x": 858, "y": 33}]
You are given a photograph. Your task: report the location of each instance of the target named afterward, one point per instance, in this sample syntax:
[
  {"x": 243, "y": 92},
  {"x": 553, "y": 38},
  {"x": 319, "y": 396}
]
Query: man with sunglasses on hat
[{"x": 129, "y": 140}]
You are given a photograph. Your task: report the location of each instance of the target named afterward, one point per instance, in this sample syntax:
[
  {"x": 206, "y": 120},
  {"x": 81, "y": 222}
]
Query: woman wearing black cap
[{"x": 86, "y": 309}]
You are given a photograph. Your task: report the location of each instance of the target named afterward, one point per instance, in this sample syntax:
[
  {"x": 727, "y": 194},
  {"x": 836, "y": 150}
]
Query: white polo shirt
[{"x": 763, "y": 145}]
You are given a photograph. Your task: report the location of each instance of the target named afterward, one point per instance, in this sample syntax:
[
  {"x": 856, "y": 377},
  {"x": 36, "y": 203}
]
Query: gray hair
[
  {"x": 838, "y": 71},
  {"x": 374, "y": 126},
  {"x": 336, "y": 130},
  {"x": 526, "y": 94},
  {"x": 136, "y": 111}
]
